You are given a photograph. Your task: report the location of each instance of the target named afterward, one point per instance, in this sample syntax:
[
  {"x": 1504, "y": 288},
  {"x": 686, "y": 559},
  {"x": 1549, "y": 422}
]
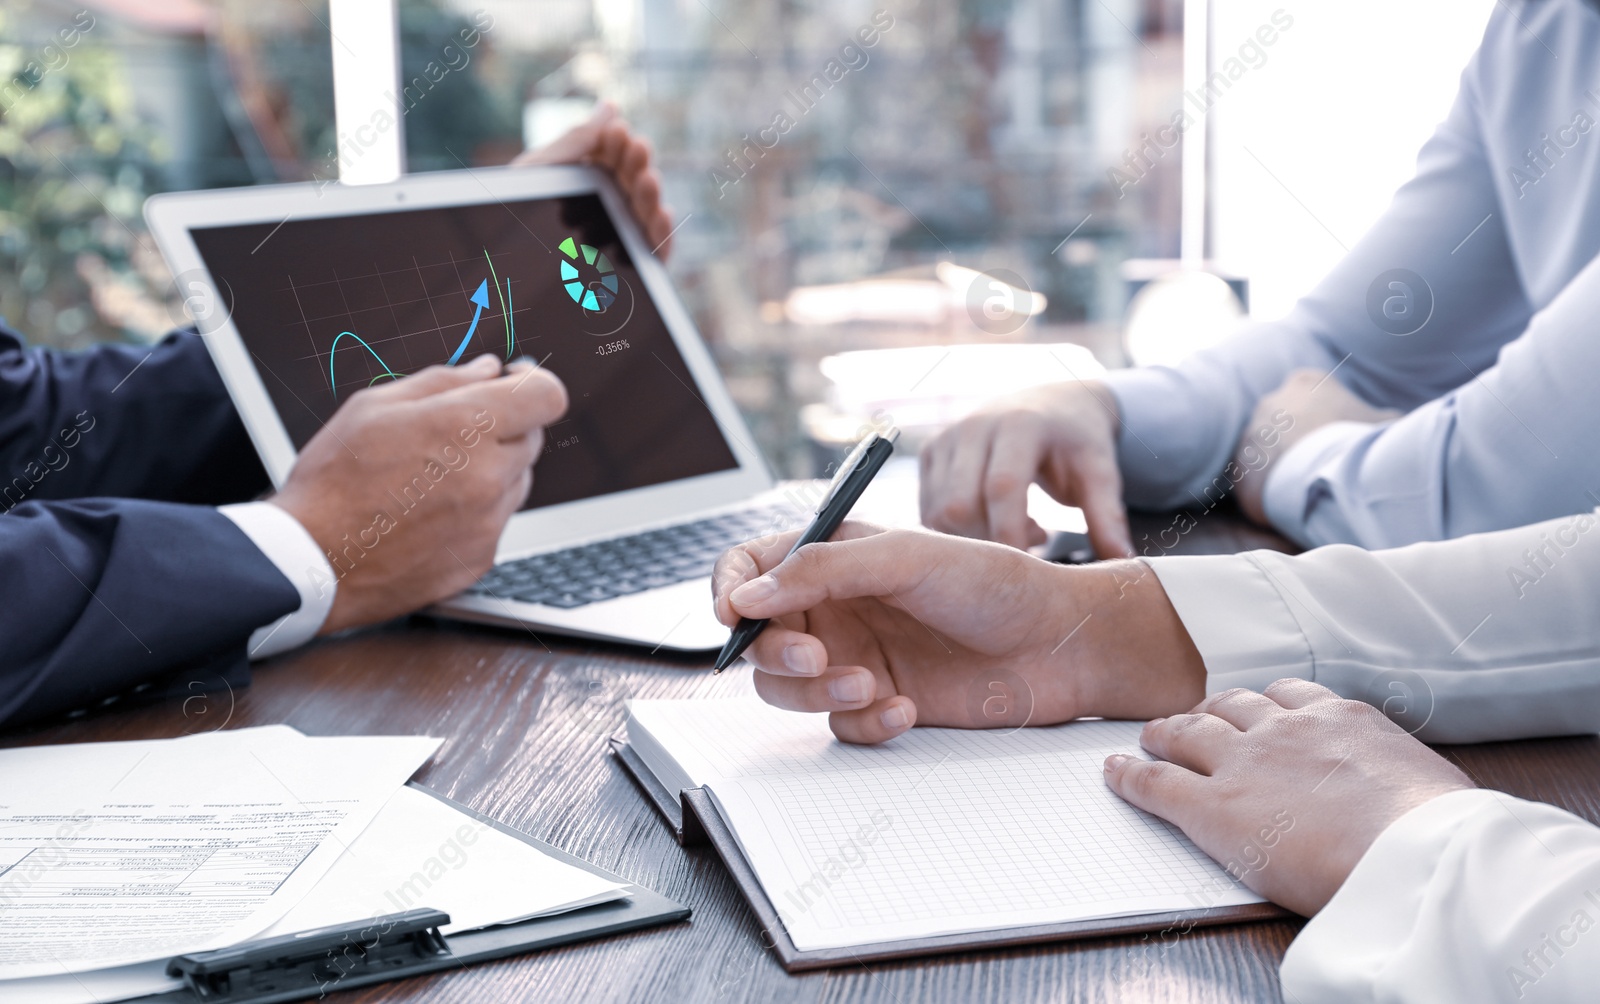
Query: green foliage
[
  {"x": 75, "y": 166},
  {"x": 77, "y": 161}
]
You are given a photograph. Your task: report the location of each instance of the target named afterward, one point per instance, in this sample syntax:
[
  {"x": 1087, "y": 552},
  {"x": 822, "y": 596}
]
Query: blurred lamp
[
  {"x": 954, "y": 292},
  {"x": 1178, "y": 313},
  {"x": 1000, "y": 299}
]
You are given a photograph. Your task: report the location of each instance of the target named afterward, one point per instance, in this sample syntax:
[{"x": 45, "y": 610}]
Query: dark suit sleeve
[
  {"x": 101, "y": 596},
  {"x": 147, "y": 422}
]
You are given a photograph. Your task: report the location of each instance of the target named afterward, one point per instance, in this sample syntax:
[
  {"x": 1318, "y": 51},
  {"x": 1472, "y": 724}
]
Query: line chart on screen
[{"x": 466, "y": 315}]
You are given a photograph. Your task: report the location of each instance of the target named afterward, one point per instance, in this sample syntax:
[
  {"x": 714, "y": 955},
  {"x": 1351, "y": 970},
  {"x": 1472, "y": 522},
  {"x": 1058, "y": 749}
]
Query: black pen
[{"x": 857, "y": 471}]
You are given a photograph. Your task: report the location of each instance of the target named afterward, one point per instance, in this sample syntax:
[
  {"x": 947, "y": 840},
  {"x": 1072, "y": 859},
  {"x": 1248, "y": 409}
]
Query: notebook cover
[
  {"x": 685, "y": 827},
  {"x": 699, "y": 813}
]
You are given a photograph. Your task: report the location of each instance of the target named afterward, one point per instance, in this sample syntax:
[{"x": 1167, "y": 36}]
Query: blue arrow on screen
[{"x": 481, "y": 298}]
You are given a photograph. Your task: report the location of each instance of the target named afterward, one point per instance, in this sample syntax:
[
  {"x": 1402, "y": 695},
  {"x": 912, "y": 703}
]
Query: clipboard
[
  {"x": 694, "y": 820},
  {"x": 346, "y": 956}
]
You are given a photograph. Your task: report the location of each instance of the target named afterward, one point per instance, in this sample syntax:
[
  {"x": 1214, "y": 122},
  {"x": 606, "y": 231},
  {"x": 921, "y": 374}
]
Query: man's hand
[
  {"x": 975, "y": 475},
  {"x": 1305, "y": 402},
  {"x": 410, "y": 483},
  {"x": 888, "y": 628},
  {"x": 606, "y": 141},
  {"x": 1287, "y": 789}
]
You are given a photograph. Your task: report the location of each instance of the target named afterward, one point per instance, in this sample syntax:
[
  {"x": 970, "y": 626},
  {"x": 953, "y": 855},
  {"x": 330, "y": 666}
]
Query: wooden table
[{"x": 525, "y": 721}]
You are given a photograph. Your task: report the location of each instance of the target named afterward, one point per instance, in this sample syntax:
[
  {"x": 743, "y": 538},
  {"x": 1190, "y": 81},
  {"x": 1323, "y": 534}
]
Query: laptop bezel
[{"x": 172, "y": 217}]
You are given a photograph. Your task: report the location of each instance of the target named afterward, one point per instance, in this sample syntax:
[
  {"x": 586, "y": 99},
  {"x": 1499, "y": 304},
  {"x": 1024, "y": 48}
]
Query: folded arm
[
  {"x": 1180, "y": 425},
  {"x": 1513, "y": 445}
]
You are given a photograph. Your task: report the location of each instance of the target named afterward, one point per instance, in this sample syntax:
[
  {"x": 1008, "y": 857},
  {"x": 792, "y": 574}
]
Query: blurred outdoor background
[{"x": 975, "y": 135}]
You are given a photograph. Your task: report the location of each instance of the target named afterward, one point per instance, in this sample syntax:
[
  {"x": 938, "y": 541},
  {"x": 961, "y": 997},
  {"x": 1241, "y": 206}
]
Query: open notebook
[{"x": 940, "y": 839}]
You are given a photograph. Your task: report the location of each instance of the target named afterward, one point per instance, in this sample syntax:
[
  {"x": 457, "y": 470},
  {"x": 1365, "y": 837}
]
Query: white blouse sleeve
[
  {"x": 1474, "y": 896},
  {"x": 1492, "y": 636}
]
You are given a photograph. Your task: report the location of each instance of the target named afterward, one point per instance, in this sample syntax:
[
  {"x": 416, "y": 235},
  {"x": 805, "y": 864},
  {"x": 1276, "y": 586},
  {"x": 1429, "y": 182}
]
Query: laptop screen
[{"x": 329, "y": 306}]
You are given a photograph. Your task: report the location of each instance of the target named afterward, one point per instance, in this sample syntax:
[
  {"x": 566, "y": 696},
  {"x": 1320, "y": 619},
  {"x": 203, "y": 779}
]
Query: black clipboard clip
[{"x": 317, "y": 962}]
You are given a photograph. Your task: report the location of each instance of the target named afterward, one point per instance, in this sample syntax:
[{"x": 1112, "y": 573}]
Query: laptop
[{"x": 305, "y": 294}]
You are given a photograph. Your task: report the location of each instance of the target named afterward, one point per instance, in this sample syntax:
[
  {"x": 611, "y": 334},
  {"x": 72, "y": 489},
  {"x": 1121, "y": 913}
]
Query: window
[{"x": 823, "y": 158}]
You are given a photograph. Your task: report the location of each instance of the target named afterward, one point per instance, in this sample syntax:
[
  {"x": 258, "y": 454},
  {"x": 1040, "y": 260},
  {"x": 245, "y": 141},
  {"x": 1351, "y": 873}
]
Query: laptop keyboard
[{"x": 605, "y": 570}]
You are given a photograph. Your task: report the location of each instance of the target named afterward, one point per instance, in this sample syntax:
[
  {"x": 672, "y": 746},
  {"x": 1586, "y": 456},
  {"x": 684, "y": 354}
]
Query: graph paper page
[{"x": 942, "y": 831}]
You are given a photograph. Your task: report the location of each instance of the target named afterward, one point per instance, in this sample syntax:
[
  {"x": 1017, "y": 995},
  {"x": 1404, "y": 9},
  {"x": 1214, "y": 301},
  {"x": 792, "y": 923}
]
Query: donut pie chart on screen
[
  {"x": 593, "y": 295},
  {"x": 604, "y": 298}
]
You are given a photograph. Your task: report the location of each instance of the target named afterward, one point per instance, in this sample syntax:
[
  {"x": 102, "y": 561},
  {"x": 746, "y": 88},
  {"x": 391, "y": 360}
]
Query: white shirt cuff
[
  {"x": 287, "y": 545},
  {"x": 1238, "y": 618}
]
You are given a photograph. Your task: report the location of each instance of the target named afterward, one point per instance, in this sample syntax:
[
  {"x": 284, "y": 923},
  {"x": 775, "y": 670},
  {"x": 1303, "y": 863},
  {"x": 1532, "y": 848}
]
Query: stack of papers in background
[
  {"x": 926, "y": 387},
  {"x": 921, "y": 390},
  {"x": 115, "y": 857},
  {"x": 892, "y": 500}
]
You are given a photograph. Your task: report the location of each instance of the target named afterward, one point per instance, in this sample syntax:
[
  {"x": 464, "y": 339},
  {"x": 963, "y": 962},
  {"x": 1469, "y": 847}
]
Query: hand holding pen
[{"x": 855, "y": 474}]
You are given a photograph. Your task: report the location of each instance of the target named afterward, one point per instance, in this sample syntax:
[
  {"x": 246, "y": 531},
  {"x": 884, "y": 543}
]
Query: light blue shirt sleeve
[
  {"x": 1514, "y": 445},
  {"x": 1499, "y": 411}
]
